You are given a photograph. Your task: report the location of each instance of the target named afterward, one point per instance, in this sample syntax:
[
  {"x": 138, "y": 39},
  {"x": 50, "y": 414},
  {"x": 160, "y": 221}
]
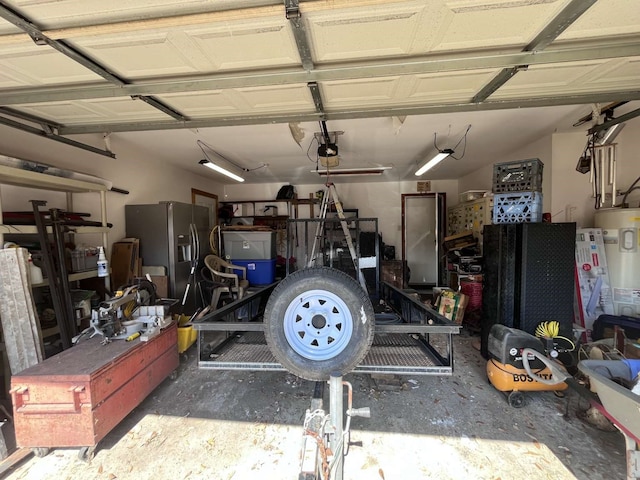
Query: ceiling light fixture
[
  {"x": 444, "y": 153},
  {"x": 351, "y": 172},
  {"x": 219, "y": 169},
  {"x": 441, "y": 155}
]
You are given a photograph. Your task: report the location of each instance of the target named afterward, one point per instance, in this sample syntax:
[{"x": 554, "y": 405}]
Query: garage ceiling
[{"x": 251, "y": 80}]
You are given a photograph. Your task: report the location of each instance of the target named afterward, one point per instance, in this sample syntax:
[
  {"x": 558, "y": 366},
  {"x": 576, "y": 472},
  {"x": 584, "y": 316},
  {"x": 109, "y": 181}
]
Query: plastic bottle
[
  {"x": 103, "y": 265},
  {"x": 36, "y": 272}
]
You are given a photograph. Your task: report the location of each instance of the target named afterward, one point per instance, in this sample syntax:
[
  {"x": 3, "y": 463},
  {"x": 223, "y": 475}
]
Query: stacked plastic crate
[
  {"x": 253, "y": 249},
  {"x": 517, "y": 188}
]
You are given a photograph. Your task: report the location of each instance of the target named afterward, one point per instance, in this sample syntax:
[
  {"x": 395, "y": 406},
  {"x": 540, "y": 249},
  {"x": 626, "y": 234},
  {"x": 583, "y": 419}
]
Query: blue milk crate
[{"x": 517, "y": 207}]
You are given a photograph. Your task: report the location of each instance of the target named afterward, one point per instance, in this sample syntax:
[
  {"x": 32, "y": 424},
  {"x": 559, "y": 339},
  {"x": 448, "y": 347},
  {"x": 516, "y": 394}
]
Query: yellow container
[
  {"x": 186, "y": 334},
  {"x": 186, "y": 337}
]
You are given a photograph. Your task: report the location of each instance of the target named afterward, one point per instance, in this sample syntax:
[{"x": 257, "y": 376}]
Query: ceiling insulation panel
[
  {"x": 34, "y": 65},
  {"x": 494, "y": 24},
  {"x": 195, "y": 50},
  {"x": 71, "y": 13},
  {"x": 366, "y": 33},
  {"x": 243, "y": 101},
  {"x": 95, "y": 111},
  {"x": 228, "y": 67},
  {"x": 609, "y": 18},
  {"x": 582, "y": 77}
]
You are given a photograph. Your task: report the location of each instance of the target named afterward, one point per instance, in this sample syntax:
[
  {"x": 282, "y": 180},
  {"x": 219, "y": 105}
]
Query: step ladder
[{"x": 330, "y": 194}]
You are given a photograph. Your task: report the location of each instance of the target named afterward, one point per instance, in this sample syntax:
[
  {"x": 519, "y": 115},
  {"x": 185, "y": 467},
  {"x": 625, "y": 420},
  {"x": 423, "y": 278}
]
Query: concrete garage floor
[{"x": 243, "y": 425}]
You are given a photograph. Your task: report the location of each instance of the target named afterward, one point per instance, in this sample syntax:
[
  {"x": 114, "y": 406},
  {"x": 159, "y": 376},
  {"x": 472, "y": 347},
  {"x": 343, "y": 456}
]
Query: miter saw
[{"x": 126, "y": 317}]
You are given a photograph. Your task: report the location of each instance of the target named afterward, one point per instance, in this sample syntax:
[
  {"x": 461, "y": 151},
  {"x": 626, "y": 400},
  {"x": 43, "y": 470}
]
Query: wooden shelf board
[
  {"x": 32, "y": 229},
  {"x": 72, "y": 277},
  {"x": 27, "y": 178}
]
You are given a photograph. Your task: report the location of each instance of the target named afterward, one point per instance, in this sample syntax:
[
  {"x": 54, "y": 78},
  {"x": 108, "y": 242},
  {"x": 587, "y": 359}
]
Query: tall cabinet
[{"x": 528, "y": 276}]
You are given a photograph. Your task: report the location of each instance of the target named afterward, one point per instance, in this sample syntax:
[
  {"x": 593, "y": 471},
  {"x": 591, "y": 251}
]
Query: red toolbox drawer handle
[{"x": 20, "y": 397}]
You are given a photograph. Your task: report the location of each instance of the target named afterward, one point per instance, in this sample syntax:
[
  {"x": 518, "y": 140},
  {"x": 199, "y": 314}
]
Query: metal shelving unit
[
  {"x": 333, "y": 251},
  {"x": 26, "y": 178},
  {"x": 30, "y": 179}
]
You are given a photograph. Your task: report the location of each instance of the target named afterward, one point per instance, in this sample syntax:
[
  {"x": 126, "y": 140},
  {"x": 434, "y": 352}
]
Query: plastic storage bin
[
  {"x": 249, "y": 245},
  {"x": 83, "y": 259},
  {"x": 517, "y": 207},
  {"x": 259, "y": 272},
  {"x": 518, "y": 176}
]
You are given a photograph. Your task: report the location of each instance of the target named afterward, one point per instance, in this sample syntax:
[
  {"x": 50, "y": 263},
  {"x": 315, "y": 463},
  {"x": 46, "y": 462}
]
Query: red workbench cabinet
[{"x": 75, "y": 398}]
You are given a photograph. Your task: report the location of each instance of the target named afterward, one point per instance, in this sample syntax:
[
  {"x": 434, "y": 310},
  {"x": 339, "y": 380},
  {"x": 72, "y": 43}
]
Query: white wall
[
  {"x": 147, "y": 180},
  {"x": 381, "y": 200},
  {"x": 566, "y": 192},
  {"x": 571, "y": 190},
  {"x": 482, "y": 179}
]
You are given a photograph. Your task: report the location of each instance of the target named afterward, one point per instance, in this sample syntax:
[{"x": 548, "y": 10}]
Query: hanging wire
[
  {"x": 435, "y": 138},
  {"x": 202, "y": 146},
  {"x": 626, "y": 193},
  {"x": 464, "y": 149},
  {"x": 464, "y": 137},
  {"x": 314, "y": 139}
]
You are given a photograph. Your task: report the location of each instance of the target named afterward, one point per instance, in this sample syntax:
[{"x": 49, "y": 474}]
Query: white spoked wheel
[{"x": 319, "y": 321}]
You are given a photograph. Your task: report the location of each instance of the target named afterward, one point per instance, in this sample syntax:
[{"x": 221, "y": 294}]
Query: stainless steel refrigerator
[{"x": 174, "y": 235}]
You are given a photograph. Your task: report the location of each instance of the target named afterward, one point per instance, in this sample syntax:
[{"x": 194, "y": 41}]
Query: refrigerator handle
[{"x": 195, "y": 242}]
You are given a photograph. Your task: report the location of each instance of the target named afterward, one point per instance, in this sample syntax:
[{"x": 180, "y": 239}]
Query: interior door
[{"x": 422, "y": 236}]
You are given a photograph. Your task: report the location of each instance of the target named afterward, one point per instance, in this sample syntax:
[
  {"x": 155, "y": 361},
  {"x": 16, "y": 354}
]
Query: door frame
[
  {"x": 209, "y": 200},
  {"x": 441, "y": 226}
]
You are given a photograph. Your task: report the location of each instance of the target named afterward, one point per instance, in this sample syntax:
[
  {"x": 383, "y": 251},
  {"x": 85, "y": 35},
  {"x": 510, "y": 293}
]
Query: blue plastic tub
[{"x": 259, "y": 272}]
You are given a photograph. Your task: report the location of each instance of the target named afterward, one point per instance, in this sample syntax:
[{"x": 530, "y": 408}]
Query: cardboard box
[
  {"x": 162, "y": 285},
  {"x": 124, "y": 262},
  {"x": 593, "y": 288},
  {"x": 452, "y": 305}
]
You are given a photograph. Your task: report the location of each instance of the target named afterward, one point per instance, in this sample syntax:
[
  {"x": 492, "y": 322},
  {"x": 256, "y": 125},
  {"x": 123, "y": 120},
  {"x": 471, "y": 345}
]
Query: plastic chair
[{"x": 229, "y": 282}]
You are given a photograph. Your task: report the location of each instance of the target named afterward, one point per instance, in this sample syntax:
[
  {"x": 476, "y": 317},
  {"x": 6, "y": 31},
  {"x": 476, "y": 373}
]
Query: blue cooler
[{"x": 259, "y": 272}]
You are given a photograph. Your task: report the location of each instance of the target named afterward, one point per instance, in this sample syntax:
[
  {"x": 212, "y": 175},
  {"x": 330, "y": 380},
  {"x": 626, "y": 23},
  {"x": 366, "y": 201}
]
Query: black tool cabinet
[{"x": 528, "y": 276}]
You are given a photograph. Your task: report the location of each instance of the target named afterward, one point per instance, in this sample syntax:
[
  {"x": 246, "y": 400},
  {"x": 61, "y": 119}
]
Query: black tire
[
  {"x": 319, "y": 321},
  {"x": 516, "y": 399},
  {"x": 40, "y": 452}
]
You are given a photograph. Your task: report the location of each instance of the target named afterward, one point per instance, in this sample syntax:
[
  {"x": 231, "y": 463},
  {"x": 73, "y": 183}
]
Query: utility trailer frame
[{"x": 422, "y": 344}]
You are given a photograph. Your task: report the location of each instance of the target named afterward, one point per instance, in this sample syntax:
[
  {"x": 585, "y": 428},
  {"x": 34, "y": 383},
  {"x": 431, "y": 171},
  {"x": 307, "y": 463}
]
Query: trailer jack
[{"x": 325, "y": 440}]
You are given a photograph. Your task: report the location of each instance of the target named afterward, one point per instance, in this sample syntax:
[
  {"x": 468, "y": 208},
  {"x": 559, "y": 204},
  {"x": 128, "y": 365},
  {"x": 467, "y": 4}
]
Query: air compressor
[{"x": 519, "y": 362}]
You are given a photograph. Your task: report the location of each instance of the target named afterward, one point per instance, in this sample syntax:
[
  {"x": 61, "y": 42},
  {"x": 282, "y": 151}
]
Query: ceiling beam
[
  {"x": 496, "y": 82},
  {"x": 292, "y": 12},
  {"x": 354, "y": 114},
  {"x": 163, "y": 107},
  {"x": 45, "y": 124},
  {"x": 317, "y": 98},
  {"x": 614, "y": 121},
  {"x": 45, "y": 133},
  {"x": 569, "y": 14},
  {"x": 41, "y": 39},
  {"x": 389, "y": 68}
]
